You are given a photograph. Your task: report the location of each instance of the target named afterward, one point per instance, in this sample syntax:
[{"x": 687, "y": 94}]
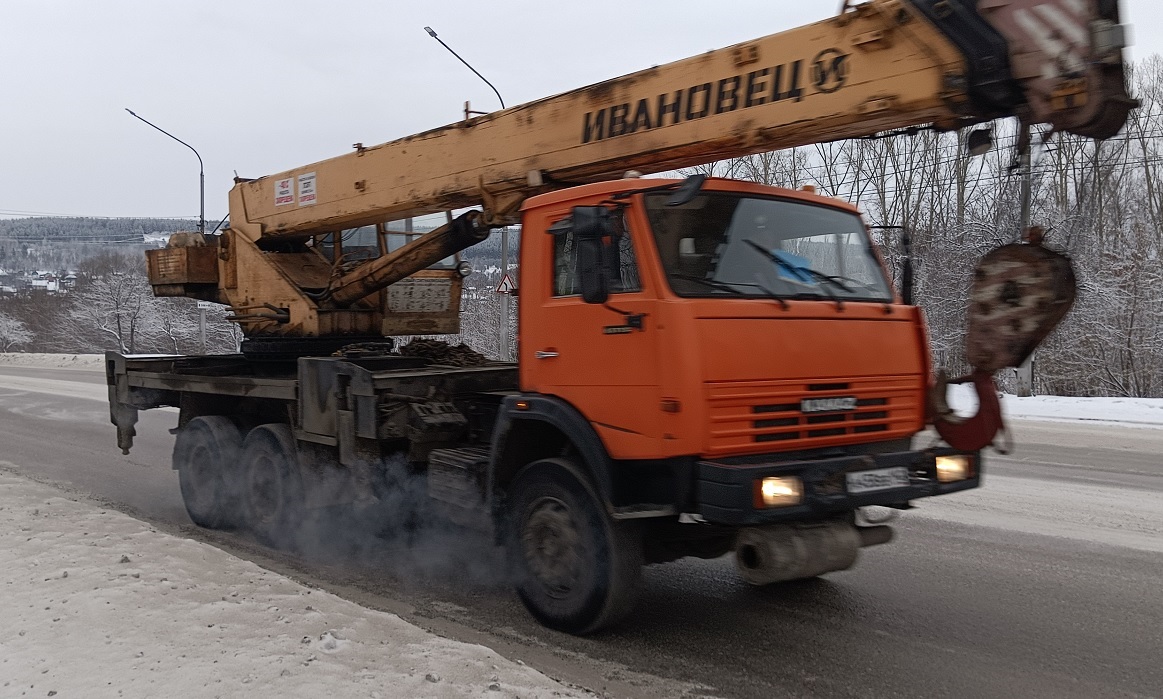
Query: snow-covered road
[{"x": 197, "y": 621}]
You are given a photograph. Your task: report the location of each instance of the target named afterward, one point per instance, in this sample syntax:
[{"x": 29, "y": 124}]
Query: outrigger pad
[{"x": 1020, "y": 293}]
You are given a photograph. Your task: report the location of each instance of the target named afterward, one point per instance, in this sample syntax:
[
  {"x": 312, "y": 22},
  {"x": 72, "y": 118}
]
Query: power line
[{"x": 48, "y": 214}]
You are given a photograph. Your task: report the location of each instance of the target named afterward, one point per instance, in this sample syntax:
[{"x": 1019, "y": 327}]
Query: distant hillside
[
  {"x": 60, "y": 243},
  {"x": 109, "y": 231}
]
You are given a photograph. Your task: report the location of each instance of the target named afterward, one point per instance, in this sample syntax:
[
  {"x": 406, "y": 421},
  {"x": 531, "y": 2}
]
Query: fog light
[
  {"x": 780, "y": 491},
  {"x": 953, "y": 468}
]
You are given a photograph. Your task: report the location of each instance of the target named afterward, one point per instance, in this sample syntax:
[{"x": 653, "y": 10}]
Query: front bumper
[{"x": 725, "y": 492}]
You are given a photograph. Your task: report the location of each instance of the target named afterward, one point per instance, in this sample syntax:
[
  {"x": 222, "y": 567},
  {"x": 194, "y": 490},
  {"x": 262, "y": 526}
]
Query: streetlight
[
  {"x": 201, "y": 171},
  {"x": 504, "y": 324},
  {"x": 432, "y": 34}
]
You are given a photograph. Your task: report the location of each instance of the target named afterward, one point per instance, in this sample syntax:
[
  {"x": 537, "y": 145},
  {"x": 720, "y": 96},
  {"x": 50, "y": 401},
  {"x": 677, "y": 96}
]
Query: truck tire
[
  {"x": 272, "y": 486},
  {"x": 206, "y": 458},
  {"x": 577, "y": 570}
]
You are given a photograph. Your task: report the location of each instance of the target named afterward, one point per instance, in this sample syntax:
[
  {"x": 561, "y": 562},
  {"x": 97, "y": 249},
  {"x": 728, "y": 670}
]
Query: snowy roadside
[
  {"x": 97, "y": 604},
  {"x": 1129, "y": 412},
  {"x": 88, "y": 362}
]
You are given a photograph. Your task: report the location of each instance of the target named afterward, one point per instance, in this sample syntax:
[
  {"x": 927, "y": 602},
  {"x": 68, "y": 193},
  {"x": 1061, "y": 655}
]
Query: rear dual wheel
[
  {"x": 577, "y": 569},
  {"x": 272, "y": 487},
  {"x": 206, "y": 456}
]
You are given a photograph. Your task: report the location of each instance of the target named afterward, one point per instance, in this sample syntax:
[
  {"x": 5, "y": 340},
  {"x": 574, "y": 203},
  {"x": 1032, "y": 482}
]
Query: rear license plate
[{"x": 879, "y": 479}]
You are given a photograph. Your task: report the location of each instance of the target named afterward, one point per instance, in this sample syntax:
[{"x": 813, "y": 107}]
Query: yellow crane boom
[
  {"x": 881, "y": 65},
  {"x": 877, "y": 66}
]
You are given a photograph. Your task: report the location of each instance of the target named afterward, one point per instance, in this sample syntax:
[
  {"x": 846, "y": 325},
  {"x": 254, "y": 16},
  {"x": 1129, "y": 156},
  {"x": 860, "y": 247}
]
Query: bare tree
[
  {"x": 108, "y": 312},
  {"x": 13, "y": 333}
]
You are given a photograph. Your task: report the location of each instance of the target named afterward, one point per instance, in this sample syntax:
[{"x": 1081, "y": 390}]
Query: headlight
[
  {"x": 951, "y": 469},
  {"x": 780, "y": 491}
]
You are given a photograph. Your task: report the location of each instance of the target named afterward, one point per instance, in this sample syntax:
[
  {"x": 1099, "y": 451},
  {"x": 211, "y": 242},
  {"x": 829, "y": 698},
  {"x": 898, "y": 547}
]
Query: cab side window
[{"x": 623, "y": 265}]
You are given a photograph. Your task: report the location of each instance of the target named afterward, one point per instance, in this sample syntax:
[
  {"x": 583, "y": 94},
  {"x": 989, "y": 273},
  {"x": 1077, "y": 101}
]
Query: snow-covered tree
[
  {"x": 109, "y": 311},
  {"x": 13, "y": 333}
]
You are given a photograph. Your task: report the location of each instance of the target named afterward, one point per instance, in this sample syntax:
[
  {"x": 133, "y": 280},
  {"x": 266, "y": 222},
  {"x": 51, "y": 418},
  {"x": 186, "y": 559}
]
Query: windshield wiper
[
  {"x": 711, "y": 283},
  {"x": 771, "y": 294},
  {"x": 728, "y": 287},
  {"x": 797, "y": 270}
]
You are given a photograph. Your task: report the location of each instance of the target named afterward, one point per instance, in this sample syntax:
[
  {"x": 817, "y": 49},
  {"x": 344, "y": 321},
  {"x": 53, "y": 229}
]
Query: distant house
[{"x": 47, "y": 286}]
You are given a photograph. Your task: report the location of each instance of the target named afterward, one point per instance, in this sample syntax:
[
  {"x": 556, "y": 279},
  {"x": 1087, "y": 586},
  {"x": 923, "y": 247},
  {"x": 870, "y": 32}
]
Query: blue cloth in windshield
[{"x": 795, "y": 267}]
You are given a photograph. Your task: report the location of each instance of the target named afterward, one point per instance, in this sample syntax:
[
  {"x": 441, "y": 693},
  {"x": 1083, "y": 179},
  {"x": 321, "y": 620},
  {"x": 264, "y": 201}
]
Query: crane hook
[{"x": 967, "y": 433}]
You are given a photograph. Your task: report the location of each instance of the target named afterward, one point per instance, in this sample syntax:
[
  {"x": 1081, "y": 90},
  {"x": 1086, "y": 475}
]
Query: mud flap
[
  {"x": 124, "y": 417},
  {"x": 1020, "y": 294}
]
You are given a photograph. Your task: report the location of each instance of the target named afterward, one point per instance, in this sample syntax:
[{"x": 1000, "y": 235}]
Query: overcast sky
[{"x": 261, "y": 86}]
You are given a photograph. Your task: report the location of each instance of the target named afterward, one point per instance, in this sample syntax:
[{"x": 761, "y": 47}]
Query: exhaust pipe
[
  {"x": 874, "y": 536},
  {"x": 780, "y": 552}
]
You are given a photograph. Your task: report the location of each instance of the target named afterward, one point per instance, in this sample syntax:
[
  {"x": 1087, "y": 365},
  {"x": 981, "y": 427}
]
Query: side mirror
[
  {"x": 591, "y": 222},
  {"x": 591, "y": 270},
  {"x": 591, "y": 226}
]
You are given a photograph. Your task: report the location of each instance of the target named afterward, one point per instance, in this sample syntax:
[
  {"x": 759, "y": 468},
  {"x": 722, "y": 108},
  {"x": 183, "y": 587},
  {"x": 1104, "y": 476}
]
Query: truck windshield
[{"x": 722, "y": 244}]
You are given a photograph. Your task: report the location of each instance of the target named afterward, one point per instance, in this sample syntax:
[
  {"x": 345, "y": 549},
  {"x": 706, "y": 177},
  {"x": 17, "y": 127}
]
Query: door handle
[{"x": 540, "y": 354}]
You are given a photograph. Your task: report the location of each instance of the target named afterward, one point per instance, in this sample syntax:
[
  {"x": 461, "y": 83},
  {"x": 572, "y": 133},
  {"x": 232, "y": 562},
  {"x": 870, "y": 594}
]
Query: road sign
[
  {"x": 206, "y": 306},
  {"x": 506, "y": 286}
]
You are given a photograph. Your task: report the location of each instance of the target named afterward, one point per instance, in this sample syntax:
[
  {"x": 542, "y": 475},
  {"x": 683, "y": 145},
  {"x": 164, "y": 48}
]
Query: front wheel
[{"x": 577, "y": 570}]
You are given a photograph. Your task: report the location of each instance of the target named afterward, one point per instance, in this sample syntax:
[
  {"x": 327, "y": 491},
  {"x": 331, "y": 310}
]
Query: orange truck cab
[
  {"x": 729, "y": 352},
  {"x": 705, "y": 366}
]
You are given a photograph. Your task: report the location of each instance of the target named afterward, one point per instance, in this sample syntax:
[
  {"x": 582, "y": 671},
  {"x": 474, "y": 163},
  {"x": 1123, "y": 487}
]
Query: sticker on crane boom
[
  {"x": 284, "y": 191},
  {"x": 307, "y": 189}
]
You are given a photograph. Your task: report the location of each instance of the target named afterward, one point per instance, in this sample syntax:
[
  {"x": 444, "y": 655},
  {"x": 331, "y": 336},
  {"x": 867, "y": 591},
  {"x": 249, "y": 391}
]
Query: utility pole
[
  {"x": 1025, "y": 373},
  {"x": 505, "y": 296}
]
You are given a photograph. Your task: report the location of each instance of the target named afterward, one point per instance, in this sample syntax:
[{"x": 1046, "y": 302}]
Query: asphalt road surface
[{"x": 1047, "y": 582}]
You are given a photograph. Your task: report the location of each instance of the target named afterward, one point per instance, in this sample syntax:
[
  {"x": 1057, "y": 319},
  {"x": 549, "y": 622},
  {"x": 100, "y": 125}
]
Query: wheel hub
[
  {"x": 552, "y": 543},
  {"x": 265, "y": 490}
]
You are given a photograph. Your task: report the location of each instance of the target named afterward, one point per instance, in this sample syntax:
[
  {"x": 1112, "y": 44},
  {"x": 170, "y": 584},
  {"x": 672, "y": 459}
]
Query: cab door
[{"x": 603, "y": 359}]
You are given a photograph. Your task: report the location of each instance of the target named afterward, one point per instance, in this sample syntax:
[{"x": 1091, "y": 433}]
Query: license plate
[{"x": 879, "y": 479}]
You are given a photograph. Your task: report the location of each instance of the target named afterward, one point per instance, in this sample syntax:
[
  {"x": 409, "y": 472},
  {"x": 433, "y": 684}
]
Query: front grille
[{"x": 748, "y": 417}]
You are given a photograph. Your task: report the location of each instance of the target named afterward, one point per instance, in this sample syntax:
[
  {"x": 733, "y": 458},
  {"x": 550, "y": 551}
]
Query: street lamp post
[
  {"x": 201, "y": 171},
  {"x": 432, "y": 34},
  {"x": 201, "y": 217},
  {"x": 504, "y": 324}
]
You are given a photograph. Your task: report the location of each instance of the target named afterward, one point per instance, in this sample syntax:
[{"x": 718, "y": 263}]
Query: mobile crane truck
[{"x": 704, "y": 365}]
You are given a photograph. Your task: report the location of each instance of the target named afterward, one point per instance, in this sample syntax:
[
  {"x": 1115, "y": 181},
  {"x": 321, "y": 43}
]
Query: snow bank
[
  {"x": 1138, "y": 412},
  {"x": 91, "y": 362},
  {"x": 97, "y": 604}
]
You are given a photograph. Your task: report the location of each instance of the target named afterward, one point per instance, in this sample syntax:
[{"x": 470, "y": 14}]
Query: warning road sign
[{"x": 506, "y": 286}]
